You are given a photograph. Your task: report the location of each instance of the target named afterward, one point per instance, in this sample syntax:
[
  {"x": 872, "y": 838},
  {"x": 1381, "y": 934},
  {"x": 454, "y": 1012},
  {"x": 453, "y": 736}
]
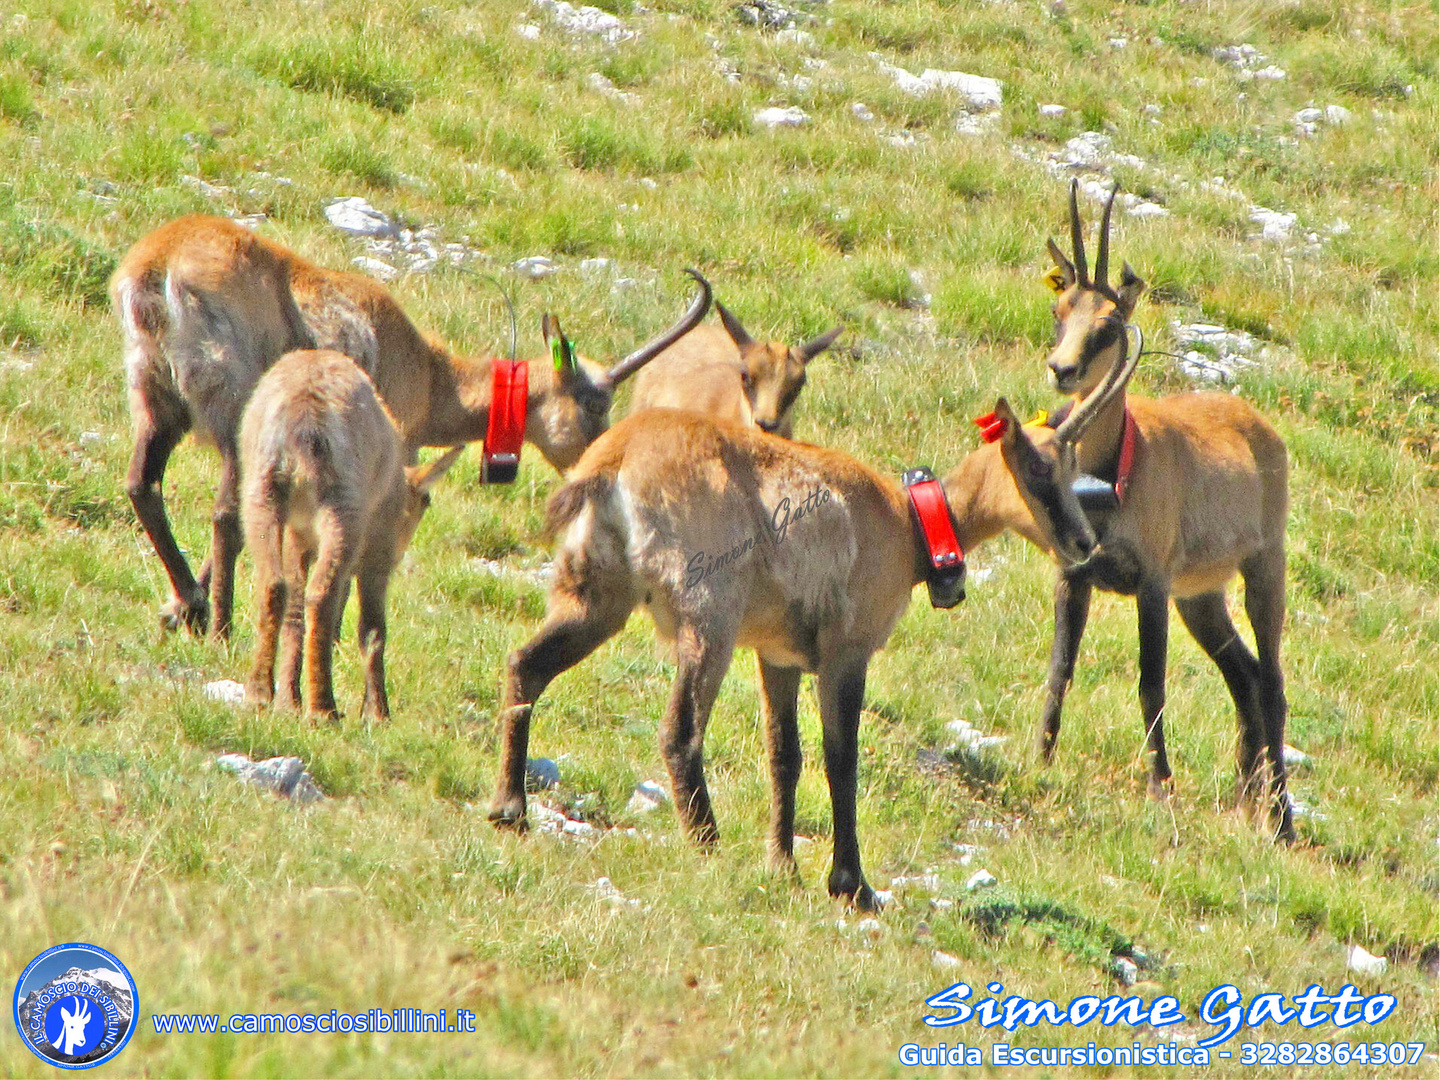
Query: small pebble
[{"x": 980, "y": 879}]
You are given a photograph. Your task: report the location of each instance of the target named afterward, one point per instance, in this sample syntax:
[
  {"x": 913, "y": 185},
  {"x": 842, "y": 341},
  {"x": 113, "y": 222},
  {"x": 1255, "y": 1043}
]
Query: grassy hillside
[{"x": 928, "y": 242}]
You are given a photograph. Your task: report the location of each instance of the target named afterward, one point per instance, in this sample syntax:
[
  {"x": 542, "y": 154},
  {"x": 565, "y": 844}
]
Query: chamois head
[
  {"x": 419, "y": 479},
  {"x": 577, "y": 410},
  {"x": 1090, "y": 316},
  {"x": 1042, "y": 461},
  {"x": 772, "y": 372}
]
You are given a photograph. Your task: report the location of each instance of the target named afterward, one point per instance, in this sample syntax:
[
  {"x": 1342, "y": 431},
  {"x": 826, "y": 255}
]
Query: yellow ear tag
[
  {"x": 1040, "y": 419},
  {"x": 1055, "y": 279}
]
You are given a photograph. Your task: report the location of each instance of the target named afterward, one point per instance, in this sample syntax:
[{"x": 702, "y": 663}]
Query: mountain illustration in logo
[{"x": 111, "y": 983}]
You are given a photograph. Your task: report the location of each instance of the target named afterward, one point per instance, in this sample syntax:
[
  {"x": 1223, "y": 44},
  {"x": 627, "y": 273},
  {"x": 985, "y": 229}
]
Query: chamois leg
[
  {"x": 574, "y": 628},
  {"x": 334, "y": 565},
  {"x": 374, "y": 581},
  {"x": 702, "y": 658},
  {"x": 1265, "y": 604},
  {"x": 780, "y": 689},
  {"x": 265, "y": 541},
  {"x": 1153, "y": 604},
  {"x": 225, "y": 543},
  {"x": 154, "y": 443},
  {"x": 1207, "y": 618},
  {"x": 842, "y": 691},
  {"x": 1072, "y": 605},
  {"x": 297, "y": 560}
]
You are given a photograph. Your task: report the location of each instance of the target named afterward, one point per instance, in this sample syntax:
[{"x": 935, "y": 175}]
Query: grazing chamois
[
  {"x": 734, "y": 537},
  {"x": 206, "y": 306},
  {"x": 327, "y": 497},
  {"x": 1201, "y": 492},
  {"x": 729, "y": 375}
]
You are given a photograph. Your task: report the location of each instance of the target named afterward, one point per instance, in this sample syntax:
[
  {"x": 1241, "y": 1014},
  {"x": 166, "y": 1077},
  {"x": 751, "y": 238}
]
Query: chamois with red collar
[
  {"x": 206, "y": 307},
  {"x": 732, "y": 537},
  {"x": 1201, "y": 493},
  {"x": 727, "y": 374}
]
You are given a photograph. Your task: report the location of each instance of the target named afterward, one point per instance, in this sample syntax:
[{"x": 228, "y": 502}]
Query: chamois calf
[
  {"x": 733, "y": 537},
  {"x": 206, "y": 306},
  {"x": 327, "y": 497},
  {"x": 728, "y": 375},
  {"x": 1202, "y": 494}
]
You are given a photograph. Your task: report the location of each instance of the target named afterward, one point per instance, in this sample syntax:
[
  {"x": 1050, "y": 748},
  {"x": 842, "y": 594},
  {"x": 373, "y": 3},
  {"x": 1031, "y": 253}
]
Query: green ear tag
[{"x": 562, "y": 354}]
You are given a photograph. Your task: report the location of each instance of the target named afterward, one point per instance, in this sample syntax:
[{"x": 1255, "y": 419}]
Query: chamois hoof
[
  {"x": 844, "y": 885},
  {"x": 1158, "y": 790},
  {"x": 259, "y": 694},
  {"x": 193, "y": 616},
  {"x": 509, "y": 814}
]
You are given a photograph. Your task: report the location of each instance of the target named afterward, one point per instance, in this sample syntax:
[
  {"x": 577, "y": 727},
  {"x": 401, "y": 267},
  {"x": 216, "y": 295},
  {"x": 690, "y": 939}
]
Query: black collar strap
[{"x": 944, "y": 557}]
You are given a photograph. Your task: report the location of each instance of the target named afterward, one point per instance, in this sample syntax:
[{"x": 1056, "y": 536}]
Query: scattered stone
[
  {"x": 767, "y": 15},
  {"x": 940, "y": 903},
  {"x": 534, "y": 267},
  {"x": 649, "y": 184},
  {"x": 541, "y": 773},
  {"x": 928, "y": 882},
  {"x": 606, "y": 891},
  {"x": 227, "y": 691},
  {"x": 871, "y": 928},
  {"x": 967, "y": 852},
  {"x": 978, "y": 91},
  {"x": 1119, "y": 42},
  {"x": 884, "y": 897},
  {"x": 791, "y": 36},
  {"x": 648, "y": 796},
  {"x": 1152, "y": 110},
  {"x": 1295, "y": 758},
  {"x": 590, "y": 21},
  {"x": 1247, "y": 62},
  {"x": 1053, "y": 110},
  {"x": 602, "y": 85},
  {"x": 979, "y": 880},
  {"x": 1304, "y": 810},
  {"x": 210, "y": 191},
  {"x": 801, "y": 842},
  {"x": 376, "y": 268},
  {"x": 250, "y": 221},
  {"x": 357, "y": 217},
  {"x": 943, "y": 960},
  {"x": 1364, "y": 963},
  {"x": 285, "y": 776},
  {"x": 91, "y": 438},
  {"x": 1125, "y": 969},
  {"x": 591, "y": 267},
  {"x": 529, "y": 31},
  {"x": 1224, "y": 353},
  {"x": 775, "y": 116}
]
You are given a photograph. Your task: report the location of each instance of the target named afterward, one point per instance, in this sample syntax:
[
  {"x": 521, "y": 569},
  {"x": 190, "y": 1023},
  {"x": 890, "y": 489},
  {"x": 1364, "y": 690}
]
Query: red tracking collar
[
  {"x": 945, "y": 574},
  {"x": 505, "y": 431}
]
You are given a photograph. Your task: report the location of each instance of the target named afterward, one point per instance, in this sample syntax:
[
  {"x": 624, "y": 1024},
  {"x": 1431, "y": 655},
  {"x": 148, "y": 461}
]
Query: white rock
[
  {"x": 967, "y": 852},
  {"x": 357, "y": 217},
  {"x": 928, "y": 881},
  {"x": 1144, "y": 209},
  {"x": 586, "y": 20},
  {"x": 943, "y": 960},
  {"x": 1364, "y": 963},
  {"x": 580, "y": 829},
  {"x": 285, "y": 776},
  {"x": 1053, "y": 110},
  {"x": 1309, "y": 116},
  {"x": 791, "y": 36},
  {"x": 959, "y": 726},
  {"x": 529, "y": 31},
  {"x": 648, "y": 184},
  {"x": 1119, "y": 42},
  {"x": 978, "y": 91},
  {"x": 534, "y": 267},
  {"x": 606, "y": 891},
  {"x": 775, "y": 116},
  {"x": 870, "y": 927},
  {"x": 647, "y": 796},
  {"x": 210, "y": 191},
  {"x": 979, "y": 880},
  {"x": 602, "y": 85},
  {"x": 91, "y": 438},
  {"x": 1294, "y": 757},
  {"x": 1337, "y": 114},
  {"x": 225, "y": 690},
  {"x": 941, "y": 903},
  {"x": 884, "y": 897},
  {"x": 1271, "y": 72},
  {"x": 862, "y": 112},
  {"x": 1125, "y": 969},
  {"x": 1275, "y": 225},
  {"x": 1152, "y": 110},
  {"x": 375, "y": 268},
  {"x": 541, "y": 773},
  {"x": 591, "y": 267}
]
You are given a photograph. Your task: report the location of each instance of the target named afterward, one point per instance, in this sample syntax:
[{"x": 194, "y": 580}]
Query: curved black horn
[
  {"x": 1102, "y": 258},
  {"x": 1077, "y": 238},
  {"x": 651, "y": 349}
]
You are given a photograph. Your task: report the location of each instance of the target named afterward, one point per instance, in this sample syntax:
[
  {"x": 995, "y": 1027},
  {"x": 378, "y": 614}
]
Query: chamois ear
[
  {"x": 1003, "y": 414},
  {"x": 1066, "y": 278},
  {"x": 423, "y": 477},
  {"x": 559, "y": 347},
  {"x": 812, "y": 349},
  {"x": 732, "y": 326},
  {"x": 1130, "y": 289}
]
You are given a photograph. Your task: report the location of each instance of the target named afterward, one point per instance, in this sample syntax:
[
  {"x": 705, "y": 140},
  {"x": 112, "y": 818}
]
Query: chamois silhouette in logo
[{"x": 74, "y": 1033}]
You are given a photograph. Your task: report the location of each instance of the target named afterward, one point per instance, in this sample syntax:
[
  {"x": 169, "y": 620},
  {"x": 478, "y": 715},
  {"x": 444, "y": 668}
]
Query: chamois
[
  {"x": 734, "y": 537},
  {"x": 206, "y": 307},
  {"x": 729, "y": 375},
  {"x": 1206, "y": 496},
  {"x": 327, "y": 497}
]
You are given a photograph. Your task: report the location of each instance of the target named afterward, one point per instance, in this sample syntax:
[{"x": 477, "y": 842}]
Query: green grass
[{"x": 396, "y": 892}]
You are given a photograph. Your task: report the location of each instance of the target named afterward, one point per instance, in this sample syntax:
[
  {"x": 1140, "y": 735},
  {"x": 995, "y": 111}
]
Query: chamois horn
[
  {"x": 1102, "y": 259},
  {"x": 651, "y": 349},
  {"x": 1077, "y": 237}
]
